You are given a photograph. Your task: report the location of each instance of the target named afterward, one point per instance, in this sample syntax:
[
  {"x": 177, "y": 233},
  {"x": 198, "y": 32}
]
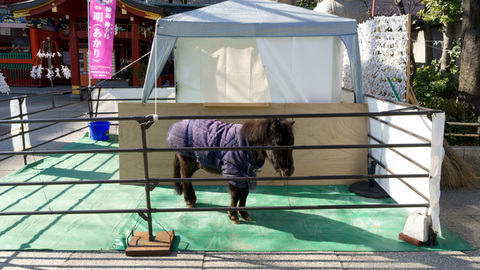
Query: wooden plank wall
[{"x": 308, "y": 131}]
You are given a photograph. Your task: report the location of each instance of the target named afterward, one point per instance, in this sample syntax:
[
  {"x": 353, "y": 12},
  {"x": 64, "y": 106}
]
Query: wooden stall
[{"x": 308, "y": 131}]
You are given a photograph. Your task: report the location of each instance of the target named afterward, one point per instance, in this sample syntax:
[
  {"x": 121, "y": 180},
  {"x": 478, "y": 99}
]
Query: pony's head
[{"x": 272, "y": 132}]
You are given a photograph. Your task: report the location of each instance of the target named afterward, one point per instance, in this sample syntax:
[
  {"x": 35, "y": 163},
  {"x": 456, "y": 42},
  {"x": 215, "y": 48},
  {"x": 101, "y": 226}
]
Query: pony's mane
[
  {"x": 258, "y": 131},
  {"x": 255, "y": 131}
]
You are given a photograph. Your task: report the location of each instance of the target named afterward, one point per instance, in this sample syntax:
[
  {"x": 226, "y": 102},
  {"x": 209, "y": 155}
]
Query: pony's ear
[
  {"x": 281, "y": 131},
  {"x": 280, "y": 123},
  {"x": 278, "y": 126},
  {"x": 275, "y": 124}
]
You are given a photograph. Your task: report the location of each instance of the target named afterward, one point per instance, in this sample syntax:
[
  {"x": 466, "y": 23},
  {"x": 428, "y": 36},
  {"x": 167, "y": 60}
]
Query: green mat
[
  {"x": 280, "y": 230},
  {"x": 285, "y": 230},
  {"x": 66, "y": 232}
]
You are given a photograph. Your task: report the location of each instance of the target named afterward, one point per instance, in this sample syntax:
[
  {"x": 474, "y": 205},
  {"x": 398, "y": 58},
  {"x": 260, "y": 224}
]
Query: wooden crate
[{"x": 308, "y": 131}]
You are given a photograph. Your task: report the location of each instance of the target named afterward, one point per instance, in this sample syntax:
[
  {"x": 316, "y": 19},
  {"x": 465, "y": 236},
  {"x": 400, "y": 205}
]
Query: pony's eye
[{"x": 279, "y": 139}]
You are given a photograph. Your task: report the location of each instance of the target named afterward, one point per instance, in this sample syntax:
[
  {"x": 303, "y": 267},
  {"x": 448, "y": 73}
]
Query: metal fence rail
[
  {"x": 146, "y": 121},
  {"x": 22, "y": 115}
]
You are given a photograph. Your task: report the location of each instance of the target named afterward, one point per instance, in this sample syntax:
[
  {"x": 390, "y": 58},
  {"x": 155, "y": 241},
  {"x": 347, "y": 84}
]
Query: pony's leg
[
  {"x": 189, "y": 194},
  {"x": 235, "y": 193},
  {"x": 187, "y": 166},
  {"x": 242, "y": 202}
]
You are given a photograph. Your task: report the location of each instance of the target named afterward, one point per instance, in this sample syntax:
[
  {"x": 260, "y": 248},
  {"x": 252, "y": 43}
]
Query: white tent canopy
[{"x": 255, "y": 51}]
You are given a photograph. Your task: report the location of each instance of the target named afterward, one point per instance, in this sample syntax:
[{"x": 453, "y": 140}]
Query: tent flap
[
  {"x": 353, "y": 50},
  {"x": 161, "y": 48}
]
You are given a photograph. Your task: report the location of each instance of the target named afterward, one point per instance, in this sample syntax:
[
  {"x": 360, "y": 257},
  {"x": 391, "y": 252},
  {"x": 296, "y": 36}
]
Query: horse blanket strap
[{"x": 215, "y": 133}]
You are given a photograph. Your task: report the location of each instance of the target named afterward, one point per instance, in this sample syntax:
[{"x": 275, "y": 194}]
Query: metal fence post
[
  {"x": 98, "y": 101},
  {"x": 89, "y": 101},
  {"x": 144, "y": 125},
  {"x": 22, "y": 128}
]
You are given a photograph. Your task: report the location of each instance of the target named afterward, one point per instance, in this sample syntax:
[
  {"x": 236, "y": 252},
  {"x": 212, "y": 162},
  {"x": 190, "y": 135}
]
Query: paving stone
[
  {"x": 271, "y": 260},
  {"x": 406, "y": 260},
  {"x": 467, "y": 227},
  {"x": 118, "y": 260}
]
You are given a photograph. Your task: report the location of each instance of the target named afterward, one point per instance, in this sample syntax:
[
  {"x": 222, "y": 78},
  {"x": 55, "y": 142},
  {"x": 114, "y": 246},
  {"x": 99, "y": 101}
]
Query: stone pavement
[{"x": 460, "y": 212}]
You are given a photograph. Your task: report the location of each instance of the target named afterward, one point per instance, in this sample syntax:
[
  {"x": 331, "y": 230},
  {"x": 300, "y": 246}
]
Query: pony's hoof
[
  {"x": 246, "y": 216},
  {"x": 190, "y": 205},
  {"x": 234, "y": 219}
]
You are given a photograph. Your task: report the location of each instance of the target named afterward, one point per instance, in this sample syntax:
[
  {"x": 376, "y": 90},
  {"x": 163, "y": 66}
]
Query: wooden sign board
[{"x": 308, "y": 131}]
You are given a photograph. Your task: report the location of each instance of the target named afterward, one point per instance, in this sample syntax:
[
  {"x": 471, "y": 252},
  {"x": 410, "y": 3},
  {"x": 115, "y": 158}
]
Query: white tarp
[
  {"x": 270, "y": 23},
  {"x": 117, "y": 95},
  {"x": 414, "y": 160}
]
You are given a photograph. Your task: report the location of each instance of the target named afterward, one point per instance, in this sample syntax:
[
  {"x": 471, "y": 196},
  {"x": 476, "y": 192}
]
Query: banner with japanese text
[{"x": 102, "y": 27}]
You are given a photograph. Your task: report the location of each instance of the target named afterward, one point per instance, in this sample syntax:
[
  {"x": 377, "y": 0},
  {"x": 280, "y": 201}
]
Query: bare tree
[
  {"x": 469, "y": 80},
  {"x": 400, "y": 6}
]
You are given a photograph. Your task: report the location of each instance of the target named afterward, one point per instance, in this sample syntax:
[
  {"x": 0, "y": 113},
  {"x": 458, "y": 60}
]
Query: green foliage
[
  {"x": 432, "y": 84},
  {"x": 441, "y": 11},
  {"x": 307, "y": 3},
  {"x": 437, "y": 90},
  {"x": 454, "y": 56}
]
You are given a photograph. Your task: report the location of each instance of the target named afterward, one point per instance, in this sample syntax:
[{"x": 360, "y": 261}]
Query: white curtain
[
  {"x": 219, "y": 70},
  {"x": 298, "y": 69},
  {"x": 303, "y": 69}
]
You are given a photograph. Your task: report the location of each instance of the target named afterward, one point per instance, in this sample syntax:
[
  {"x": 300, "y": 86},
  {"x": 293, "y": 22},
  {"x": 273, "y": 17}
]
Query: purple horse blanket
[{"x": 215, "y": 133}]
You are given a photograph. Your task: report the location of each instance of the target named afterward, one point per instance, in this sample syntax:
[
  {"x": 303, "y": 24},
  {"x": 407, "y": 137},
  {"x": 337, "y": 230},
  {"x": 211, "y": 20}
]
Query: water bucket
[{"x": 100, "y": 130}]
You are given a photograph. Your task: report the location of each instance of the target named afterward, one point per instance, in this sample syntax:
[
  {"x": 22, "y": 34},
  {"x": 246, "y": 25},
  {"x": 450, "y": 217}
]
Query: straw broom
[{"x": 456, "y": 172}]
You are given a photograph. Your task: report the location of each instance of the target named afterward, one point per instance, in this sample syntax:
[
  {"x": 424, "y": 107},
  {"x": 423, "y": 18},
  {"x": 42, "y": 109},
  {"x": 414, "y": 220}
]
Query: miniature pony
[{"x": 233, "y": 163}]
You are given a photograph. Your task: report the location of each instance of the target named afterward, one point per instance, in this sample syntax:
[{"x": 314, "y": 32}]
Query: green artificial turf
[{"x": 279, "y": 230}]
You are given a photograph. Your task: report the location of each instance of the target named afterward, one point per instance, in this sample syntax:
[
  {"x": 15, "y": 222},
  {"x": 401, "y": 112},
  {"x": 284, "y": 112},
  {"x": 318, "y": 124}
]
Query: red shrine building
[{"x": 65, "y": 23}]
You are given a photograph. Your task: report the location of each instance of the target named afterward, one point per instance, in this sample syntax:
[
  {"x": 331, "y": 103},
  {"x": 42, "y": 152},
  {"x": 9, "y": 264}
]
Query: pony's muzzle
[{"x": 287, "y": 172}]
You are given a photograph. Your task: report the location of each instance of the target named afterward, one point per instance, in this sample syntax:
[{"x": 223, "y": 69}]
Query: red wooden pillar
[
  {"x": 135, "y": 50},
  {"x": 35, "y": 43},
  {"x": 74, "y": 61}
]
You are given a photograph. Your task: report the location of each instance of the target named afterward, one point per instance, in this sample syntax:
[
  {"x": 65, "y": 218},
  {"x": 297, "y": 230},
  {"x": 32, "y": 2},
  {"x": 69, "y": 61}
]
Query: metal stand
[
  {"x": 143, "y": 243},
  {"x": 370, "y": 188}
]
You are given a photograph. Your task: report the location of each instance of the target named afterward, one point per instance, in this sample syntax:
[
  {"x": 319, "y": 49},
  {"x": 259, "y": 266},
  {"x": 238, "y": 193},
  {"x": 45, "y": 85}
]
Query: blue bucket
[{"x": 100, "y": 130}]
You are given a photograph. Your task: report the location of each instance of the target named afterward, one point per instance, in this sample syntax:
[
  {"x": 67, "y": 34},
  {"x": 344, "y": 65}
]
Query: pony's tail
[{"x": 176, "y": 174}]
